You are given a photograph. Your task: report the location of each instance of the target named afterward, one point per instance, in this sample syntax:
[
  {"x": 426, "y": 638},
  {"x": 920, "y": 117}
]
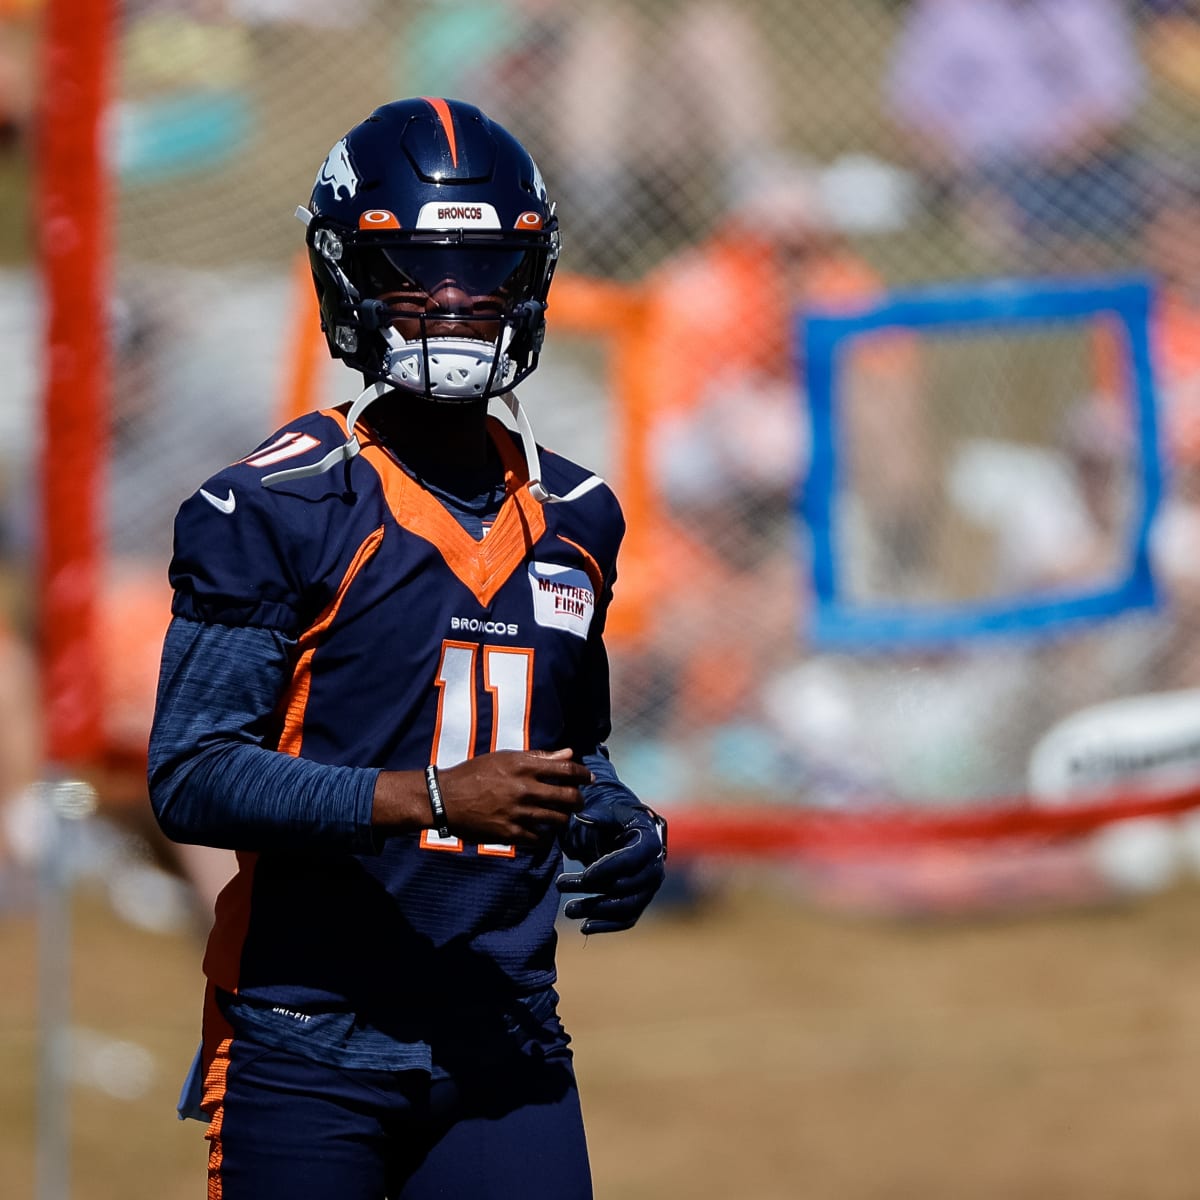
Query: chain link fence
[{"x": 728, "y": 170}]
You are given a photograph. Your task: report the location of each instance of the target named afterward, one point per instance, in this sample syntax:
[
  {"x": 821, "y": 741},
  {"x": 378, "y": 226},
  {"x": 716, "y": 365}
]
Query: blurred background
[{"x": 883, "y": 319}]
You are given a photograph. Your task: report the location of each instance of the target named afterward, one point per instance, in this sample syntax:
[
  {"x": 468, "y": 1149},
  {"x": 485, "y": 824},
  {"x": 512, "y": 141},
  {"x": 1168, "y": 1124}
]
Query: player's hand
[
  {"x": 624, "y": 845},
  {"x": 512, "y": 796}
]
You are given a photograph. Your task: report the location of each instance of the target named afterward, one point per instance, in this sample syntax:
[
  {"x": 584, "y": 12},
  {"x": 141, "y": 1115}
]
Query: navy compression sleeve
[{"x": 213, "y": 780}]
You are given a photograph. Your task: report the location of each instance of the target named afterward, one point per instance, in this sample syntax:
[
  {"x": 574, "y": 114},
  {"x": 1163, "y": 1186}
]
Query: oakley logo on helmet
[
  {"x": 529, "y": 220},
  {"x": 337, "y": 173},
  {"x": 378, "y": 218},
  {"x": 438, "y": 215}
]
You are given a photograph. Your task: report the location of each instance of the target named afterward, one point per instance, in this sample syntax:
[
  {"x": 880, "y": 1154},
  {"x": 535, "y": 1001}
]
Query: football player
[{"x": 385, "y": 686}]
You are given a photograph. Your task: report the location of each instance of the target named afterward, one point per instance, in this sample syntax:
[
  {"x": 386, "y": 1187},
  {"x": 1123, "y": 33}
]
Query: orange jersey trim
[
  {"x": 222, "y": 968},
  {"x": 216, "y": 1079},
  {"x": 590, "y": 565},
  {"x": 218, "y": 1040},
  {"x": 297, "y": 701},
  {"x": 443, "y": 112},
  {"x": 482, "y": 567}
]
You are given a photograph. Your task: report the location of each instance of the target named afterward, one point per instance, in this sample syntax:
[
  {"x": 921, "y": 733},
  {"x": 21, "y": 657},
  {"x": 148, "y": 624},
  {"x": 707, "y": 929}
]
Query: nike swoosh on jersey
[{"x": 226, "y": 506}]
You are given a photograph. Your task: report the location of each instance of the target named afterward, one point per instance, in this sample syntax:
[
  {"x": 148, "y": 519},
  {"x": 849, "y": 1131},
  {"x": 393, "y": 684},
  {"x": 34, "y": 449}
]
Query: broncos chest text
[{"x": 423, "y": 657}]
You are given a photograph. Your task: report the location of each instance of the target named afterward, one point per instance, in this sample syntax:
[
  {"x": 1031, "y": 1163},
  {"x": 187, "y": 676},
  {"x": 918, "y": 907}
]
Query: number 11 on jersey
[{"x": 508, "y": 679}]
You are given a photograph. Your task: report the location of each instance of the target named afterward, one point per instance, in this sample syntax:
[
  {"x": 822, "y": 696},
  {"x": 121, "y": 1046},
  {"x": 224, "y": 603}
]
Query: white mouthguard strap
[
  {"x": 529, "y": 444},
  {"x": 350, "y": 447},
  {"x": 343, "y": 453}
]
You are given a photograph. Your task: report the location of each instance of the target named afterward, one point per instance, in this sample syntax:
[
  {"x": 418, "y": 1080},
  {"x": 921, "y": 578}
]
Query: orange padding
[
  {"x": 725, "y": 830},
  {"x": 72, "y": 210}
]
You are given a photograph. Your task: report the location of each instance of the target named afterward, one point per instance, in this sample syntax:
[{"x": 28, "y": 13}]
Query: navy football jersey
[{"x": 414, "y": 643}]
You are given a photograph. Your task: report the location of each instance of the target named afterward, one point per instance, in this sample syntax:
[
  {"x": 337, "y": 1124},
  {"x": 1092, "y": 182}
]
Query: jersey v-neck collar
[{"x": 482, "y": 566}]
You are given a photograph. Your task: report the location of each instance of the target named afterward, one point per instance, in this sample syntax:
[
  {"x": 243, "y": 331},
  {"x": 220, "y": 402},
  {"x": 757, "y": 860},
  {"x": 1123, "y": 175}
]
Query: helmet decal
[
  {"x": 529, "y": 220},
  {"x": 337, "y": 172},
  {"x": 539, "y": 184},
  {"x": 378, "y": 218},
  {"x": 440, "y": 215},
  {"x": 443, "y": 113}
]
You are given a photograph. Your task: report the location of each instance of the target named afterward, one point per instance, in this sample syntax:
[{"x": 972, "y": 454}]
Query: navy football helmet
[{"x": 432, "y": 244}]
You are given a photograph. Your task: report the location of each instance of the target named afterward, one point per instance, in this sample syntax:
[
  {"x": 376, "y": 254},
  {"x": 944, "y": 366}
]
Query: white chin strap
[
  {"x": 529, "y": 445},
  {"x": 351, "y": 447}
]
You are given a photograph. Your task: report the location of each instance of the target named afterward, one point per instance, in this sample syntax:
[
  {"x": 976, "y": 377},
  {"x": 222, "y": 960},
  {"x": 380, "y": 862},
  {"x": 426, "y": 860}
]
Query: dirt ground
[{"x": 754, "y": 1050}]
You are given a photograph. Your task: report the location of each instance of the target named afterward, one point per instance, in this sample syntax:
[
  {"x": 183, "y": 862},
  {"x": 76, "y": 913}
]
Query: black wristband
[{"x": 435, "y": 801}]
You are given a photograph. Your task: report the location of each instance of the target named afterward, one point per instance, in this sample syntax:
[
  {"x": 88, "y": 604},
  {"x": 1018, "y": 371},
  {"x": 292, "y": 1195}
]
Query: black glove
[{"x": 623, "y": 846}]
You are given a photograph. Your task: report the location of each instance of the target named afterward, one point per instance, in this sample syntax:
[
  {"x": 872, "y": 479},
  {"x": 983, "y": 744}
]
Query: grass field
[{"x": 754, "y": 1050}]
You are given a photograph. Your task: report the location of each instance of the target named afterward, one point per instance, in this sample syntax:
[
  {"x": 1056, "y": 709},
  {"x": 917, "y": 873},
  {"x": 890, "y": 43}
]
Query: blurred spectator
[
  {"x": 1172, "y": 42},
  {"x": 20, "y": 740},
  {"x": 1019, "y": 111},
  {"x": 172, "y": 47},
  {"x": 153, "y": 388},
  {"x": 318, "y": 14},
  {"x": 1054, "y": 516},
  {"x": 631, "y": 112},
  {"x": 17, "y": 45},
  {"x": 1098, "y": 446},
  {"x": 729, "y": 440},
  {"x": 172, "y": 359},
  {"x": 1171, "y": 251},
  {"x": 730, "y": 420},
  {"x": 1070, "y": 523},
  {"x": 1171, "y": 254}
]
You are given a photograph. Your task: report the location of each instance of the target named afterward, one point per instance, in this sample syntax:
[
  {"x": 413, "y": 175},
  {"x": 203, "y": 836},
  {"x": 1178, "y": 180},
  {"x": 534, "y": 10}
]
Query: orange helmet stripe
[{"x": 443, "y": 111}]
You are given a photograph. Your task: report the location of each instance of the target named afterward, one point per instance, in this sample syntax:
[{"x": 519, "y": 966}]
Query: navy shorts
[{"x": 289, "y": 1128}]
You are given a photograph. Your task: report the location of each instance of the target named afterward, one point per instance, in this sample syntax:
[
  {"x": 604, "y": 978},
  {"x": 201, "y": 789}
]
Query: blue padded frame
[{"x": 1003, "y": 305}]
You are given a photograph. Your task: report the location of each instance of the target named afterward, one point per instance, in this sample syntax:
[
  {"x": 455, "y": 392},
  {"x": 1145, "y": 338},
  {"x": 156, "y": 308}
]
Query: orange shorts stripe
[{"x": 218, "y": 1040}]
